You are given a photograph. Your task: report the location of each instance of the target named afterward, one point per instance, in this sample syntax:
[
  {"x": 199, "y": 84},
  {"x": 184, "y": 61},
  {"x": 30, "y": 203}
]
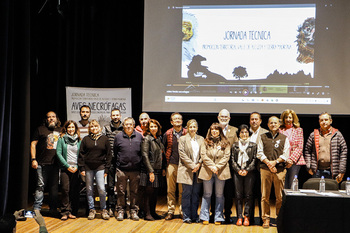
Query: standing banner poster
[{"x": 101, "y": 102}]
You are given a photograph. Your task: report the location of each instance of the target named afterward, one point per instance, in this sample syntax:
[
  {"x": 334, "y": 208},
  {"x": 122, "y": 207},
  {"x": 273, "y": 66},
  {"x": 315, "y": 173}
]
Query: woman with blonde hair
[
  {"x": 290, "y": 127},
  {"x": 189, "y": 164},
  {"x": 94, "y": 161}
]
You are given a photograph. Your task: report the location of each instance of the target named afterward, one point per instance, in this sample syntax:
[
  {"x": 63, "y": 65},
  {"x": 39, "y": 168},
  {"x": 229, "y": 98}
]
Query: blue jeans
[
  {"x": 219, "y": 199},
  {"x": 46, "y": 175},
  {"x": 190, "y": 199},
  {"x": 291, "y": 172},
  {"x": 325, "y": 173},
  {"x": 100, "y": 183}
]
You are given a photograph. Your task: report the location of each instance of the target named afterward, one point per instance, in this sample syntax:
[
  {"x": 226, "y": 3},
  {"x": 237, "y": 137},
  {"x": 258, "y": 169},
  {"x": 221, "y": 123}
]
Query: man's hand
[
  {"x": 339, "y": 177},
  {"x": 310, "y": 172},
  {"x": 35, "y": 164},
  {"x": 151, "y": 177},
  {"x": 82, "y": 173},
  {"x": 72, "y": 169}
]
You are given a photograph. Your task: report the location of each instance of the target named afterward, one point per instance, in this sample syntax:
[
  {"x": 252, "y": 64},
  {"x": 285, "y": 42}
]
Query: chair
[
  {"x": 342, "y": 185},
  {"x": 314, "y": 183}
]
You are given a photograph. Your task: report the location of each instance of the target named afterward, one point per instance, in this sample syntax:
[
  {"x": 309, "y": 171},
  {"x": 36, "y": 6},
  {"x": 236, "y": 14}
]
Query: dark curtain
[{"x": 14, "y": 104}]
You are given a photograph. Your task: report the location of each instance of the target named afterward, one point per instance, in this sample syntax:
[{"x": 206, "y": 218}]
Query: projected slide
[
  {"x": 247, "y": 42},
  {"x": 204, "y": 55}
]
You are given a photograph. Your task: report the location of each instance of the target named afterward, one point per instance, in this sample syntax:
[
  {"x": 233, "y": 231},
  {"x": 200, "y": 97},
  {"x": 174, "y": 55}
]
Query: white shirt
[
  {"x": 254, "y": 136},
  {"x": 195, "y": 148}
]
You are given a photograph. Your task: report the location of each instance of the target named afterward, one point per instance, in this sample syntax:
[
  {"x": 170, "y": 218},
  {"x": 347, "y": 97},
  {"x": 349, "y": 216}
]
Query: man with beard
[
  {"x": 231, "y": 135},
  {"x": 110, "y": 131},
  {"x": 43, "y": 157},
  {"x": 143, "y": 118},
  {"x": 83, "y": 124}
]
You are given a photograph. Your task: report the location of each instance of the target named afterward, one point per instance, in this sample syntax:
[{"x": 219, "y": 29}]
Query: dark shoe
[
  {"x": 187, "y": 221},
  {"x": 239, "y": 222},
  {"x": 156, "y": 216},
  {"x": 228, "y": 220},
  {"x": 134, "y": 216},
  {"x": 149, "y": 218},
  {"x": 120, "y": 216},
  {"x": 169, "y": 216},
  {"x": 181, "y": 216},
  {"x": 196, "y": 220},
  {"x": 246, "y": 221}
]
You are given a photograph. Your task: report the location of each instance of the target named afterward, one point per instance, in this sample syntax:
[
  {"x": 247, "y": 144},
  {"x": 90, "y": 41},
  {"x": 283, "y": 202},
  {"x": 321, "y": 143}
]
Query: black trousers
[
  {"x": 70, "y": 185},
  {"x": 244, "y": 189}
]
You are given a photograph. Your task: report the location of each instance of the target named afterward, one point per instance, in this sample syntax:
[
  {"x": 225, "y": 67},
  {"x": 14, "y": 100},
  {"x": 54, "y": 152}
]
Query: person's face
[
  {"x": 153, "y": 128},
  {"x": 71, "y": 129},
  {"x": 215, "y": 133},
  {"x": 94, "y": 128},
  {"x": 128, "y": 127},
  {"x": 244, "y": 134},
  {"x": 51, "y": 119},
  {"x": 192, "y": 129},
  {"x": 255, "y": 121},
  {"x": 274, "y": 124},
  {"x": 325, "y": 122},
  {"x": 176, "y": 120},
  {"x": 224, "y": 118},
  {"x": 85, "y": 113},
  {"x": 144, "y": 120},
  {"x": 115, "y": 116},
  {"x": 288, "y": 119}
]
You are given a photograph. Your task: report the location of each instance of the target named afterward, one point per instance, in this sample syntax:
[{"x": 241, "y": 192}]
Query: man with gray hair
[
  {"x": 273, "y": 151},
  {"x": 127, "y": 152},
  {"x": 326, "y": 151}
]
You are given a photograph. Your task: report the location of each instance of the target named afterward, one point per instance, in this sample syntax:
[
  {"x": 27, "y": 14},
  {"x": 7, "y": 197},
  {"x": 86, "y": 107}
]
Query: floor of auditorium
[{"x": 81, "y": 224}]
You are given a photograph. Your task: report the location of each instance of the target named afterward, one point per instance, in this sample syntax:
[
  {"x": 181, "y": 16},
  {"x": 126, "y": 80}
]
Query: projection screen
[{"x": 266, "y": 56}]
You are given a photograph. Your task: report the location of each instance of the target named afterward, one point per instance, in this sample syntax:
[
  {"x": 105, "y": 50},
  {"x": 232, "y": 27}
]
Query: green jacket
[{"x": 61, "y": 152}]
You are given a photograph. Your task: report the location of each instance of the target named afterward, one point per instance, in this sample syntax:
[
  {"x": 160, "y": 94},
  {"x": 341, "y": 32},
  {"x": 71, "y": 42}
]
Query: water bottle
[
  {"x": 322, "y": 185},
  {"x": 295, "y": 184},
  {"x": 347, "y": 186}
]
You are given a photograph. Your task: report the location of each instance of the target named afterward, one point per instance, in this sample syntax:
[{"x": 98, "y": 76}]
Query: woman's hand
[
  {"x": 82, "y": 173},
  {"x": 151, "y": 177},
  {"x": 242, "y": 172},
  {"x": 196, "y": 168},
  {"x": 214, "y": 169},
  {"x": 289, "y": 163},
  {"x": 72, "y": 169}
]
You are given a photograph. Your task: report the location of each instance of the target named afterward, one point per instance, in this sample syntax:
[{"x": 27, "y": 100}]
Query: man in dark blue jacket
[{"x": 127, "y": 152}]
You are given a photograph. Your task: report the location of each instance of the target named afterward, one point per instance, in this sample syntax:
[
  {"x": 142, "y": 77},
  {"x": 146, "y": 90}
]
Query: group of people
[{"x": 230, "y": 161}]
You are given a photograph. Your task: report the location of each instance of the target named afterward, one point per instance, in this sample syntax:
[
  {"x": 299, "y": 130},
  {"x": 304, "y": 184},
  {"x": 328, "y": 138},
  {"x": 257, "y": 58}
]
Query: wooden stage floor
[{"x": 81, "y": 224}]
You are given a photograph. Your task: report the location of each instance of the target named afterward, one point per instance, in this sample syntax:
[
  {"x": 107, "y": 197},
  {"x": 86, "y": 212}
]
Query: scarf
[
  {"x": 242, "y": 154},
  {"x": 71, "y": 140},
  {"x": 95, "y": 136}
]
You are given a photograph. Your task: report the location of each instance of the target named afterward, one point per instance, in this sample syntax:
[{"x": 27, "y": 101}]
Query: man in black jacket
[
  {"x": 110, "y": 131},
  {"x": 127, "y": 152}
]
